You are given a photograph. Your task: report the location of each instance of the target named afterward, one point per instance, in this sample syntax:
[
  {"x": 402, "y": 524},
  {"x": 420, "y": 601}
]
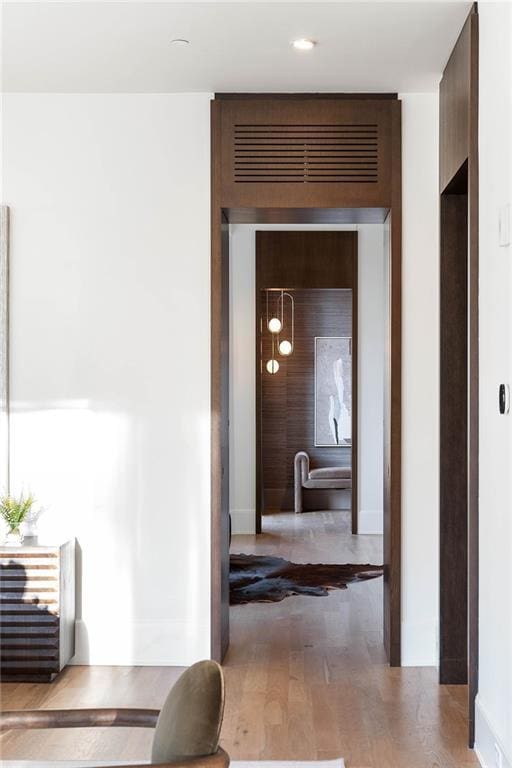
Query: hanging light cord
[{"x": 292, "y": 303}]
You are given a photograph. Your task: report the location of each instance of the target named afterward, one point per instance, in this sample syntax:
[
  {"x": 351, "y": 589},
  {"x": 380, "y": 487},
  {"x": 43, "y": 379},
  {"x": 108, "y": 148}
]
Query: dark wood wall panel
[
  {"x": 453, "y": 440},
  {"x": 458, "y": 182},
  {"x": 219, "y": 411},
  {"x": 454, "y": 97},
  {"x": 287, "y": 410},
  {"x": 305, "y": 259},
  {"x": 339, "y": 150}
]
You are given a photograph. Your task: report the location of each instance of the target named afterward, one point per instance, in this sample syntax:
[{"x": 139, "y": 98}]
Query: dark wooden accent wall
[
  {"x": 287, "y": 398},
  {"x": 305, "y": 259},
  {"x": 454, "y": 96},
  {"x": 308, "y": 199},
  {"x": 458, "y": 182},
  {"x": 453, "y": 658}
]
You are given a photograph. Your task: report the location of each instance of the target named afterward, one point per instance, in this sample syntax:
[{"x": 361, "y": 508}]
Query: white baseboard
[
  {"x": 370, "y": 521},
  {"x": 420, "y": 644},
  {"x": 486, "y": 740},
  {"x": 120, "y": 643},
  {"x": 243, "y": 521}
]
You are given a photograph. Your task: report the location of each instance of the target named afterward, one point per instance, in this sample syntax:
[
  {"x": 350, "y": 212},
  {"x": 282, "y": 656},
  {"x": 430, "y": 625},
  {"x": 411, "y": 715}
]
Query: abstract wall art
[{"x": 333, "y": 390}]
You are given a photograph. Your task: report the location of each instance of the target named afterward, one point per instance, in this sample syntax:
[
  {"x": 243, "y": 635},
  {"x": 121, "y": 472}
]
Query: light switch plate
[{"x": 504, "y": 225}]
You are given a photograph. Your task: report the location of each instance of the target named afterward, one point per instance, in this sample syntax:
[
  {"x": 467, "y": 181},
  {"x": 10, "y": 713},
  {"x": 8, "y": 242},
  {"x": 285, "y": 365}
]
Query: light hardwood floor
[{"x": 306, "y": 678}]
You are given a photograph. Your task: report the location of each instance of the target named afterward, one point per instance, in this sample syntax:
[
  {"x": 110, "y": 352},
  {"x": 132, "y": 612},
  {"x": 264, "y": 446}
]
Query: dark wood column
[{"x": 458, "y": 662}]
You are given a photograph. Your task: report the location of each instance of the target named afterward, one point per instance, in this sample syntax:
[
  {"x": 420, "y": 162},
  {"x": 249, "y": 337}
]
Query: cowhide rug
[{"x": 265, "y": 579}]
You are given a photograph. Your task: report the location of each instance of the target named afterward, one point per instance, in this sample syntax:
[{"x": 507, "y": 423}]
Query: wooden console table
[{"x": 37, "y": 610}]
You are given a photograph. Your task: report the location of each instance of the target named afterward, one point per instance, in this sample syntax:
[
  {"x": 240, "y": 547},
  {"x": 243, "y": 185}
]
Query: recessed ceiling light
[
  {"x": 303, "y": 44},
  {"x": 180, "y": 41}
]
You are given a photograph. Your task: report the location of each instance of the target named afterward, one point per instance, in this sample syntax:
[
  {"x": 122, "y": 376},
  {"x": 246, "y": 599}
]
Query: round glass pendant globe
[
  {"x": 285, "y": 347},
  {"x": 274, "y": 325},
  {"x": 272, "y": 366}
]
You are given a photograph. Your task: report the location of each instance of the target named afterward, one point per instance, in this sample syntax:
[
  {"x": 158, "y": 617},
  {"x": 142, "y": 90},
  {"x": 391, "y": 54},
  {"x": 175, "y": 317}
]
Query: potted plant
[{"x": 14, "y": 510}]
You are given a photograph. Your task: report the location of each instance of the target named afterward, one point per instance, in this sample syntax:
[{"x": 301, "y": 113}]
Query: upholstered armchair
[
  {"x": 187, "y": 728},
  {"x": 336, "y": 478}
]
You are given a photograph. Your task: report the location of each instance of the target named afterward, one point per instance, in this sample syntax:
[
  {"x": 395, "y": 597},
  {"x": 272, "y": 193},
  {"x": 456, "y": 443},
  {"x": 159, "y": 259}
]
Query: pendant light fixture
[{"x": 276, "y": 325}]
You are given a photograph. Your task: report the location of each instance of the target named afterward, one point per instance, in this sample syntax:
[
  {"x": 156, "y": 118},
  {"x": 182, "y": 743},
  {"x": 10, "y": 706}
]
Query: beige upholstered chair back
[{"x": 190, "y": 720}]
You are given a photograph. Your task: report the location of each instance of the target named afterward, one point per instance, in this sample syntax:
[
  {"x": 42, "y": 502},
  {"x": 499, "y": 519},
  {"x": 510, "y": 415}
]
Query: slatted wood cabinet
[{"x": 37, "y": 608}]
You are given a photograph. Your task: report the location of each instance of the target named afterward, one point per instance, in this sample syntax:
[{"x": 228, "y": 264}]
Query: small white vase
[
  {"x": 29, "y": 525},
  {"x": 14, "y": 538}
]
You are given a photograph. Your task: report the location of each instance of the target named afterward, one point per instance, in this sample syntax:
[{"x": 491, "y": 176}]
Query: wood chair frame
[{"x": 104, "y": 718}]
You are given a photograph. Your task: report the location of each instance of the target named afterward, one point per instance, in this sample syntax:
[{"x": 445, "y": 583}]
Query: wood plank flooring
[{"x": 306, "y": 678}]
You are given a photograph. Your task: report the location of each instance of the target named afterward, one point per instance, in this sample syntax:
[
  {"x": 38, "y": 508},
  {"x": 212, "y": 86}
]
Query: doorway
[
  {"x": 359, "y": 142},
  {"x": 318, "y": 273}
]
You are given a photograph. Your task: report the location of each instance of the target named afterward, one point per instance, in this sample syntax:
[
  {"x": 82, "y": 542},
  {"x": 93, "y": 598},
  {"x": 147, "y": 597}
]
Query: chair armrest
[
  {"x": 78, "y": 718},
  {"x": 301, "y": 467}
]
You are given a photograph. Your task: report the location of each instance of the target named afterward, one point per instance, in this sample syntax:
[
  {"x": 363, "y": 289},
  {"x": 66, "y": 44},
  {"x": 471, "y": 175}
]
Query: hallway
[{"x": 315, "y": 667}]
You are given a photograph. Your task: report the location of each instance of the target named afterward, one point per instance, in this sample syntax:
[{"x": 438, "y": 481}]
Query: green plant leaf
[{"x": 15, "y": 509}]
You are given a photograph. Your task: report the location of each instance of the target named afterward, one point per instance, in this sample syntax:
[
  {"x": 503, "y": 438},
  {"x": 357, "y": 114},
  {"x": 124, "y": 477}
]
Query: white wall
[
  {"x": 494, "y": 701},
  {"x": 110, "y": 356},
  {"x": 372, "y": 256},
  {"x": 420, "y": 379},
  {"x": 110, "y": 359},
  {"x": 371, "y": 354},
  {"x": 242, "y": 382}
]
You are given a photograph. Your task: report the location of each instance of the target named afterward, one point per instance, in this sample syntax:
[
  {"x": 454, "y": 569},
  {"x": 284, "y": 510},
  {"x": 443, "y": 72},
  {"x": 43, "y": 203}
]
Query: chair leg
[{"x": 298, "y": 499}]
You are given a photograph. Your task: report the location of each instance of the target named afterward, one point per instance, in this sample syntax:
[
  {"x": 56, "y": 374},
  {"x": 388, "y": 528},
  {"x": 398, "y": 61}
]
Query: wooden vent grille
[{"x": 306, "y": 154}]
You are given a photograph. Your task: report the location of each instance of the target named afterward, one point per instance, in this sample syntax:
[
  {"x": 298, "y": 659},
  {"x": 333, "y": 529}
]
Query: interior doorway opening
[
  {"x": 315, "y": 287},
  {"x": 306, "y": 411},
  {"x": 347, "y": 220}
]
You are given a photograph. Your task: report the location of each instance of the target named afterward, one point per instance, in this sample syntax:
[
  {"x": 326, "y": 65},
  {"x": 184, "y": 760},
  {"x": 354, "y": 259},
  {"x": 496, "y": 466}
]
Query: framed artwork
[{"x": 333, "y": 391}]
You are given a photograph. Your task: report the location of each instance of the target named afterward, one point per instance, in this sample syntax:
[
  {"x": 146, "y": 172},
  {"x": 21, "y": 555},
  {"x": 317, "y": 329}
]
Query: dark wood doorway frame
[{"x": 371, "y": 129}]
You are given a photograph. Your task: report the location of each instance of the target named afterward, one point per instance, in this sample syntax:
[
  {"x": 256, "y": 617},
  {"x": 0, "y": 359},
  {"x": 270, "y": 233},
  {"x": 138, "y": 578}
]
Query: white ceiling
[{"x": 125, "y": 46}]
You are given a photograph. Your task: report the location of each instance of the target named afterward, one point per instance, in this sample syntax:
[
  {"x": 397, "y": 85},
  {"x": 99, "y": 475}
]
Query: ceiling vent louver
[{"x": 306, "y": 154}]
